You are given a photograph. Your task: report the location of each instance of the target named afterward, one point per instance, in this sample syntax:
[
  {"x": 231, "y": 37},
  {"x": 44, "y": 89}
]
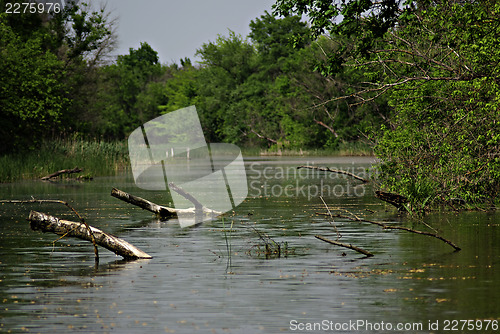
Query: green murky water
[{"x": 192, "y": 285}]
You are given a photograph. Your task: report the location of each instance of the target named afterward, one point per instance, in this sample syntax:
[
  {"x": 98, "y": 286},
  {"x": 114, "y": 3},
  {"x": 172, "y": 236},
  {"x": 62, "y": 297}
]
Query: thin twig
[{"x": 333, "y": 221}]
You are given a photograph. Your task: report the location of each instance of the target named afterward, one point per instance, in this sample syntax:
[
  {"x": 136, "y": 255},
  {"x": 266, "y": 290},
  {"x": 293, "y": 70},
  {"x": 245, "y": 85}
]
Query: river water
[{"x": 218, "y": 277}]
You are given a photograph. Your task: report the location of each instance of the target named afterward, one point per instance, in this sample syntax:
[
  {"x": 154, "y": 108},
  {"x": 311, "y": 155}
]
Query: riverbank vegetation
[
  {"x": 416, "y": 81},
  {"x": 436, "y": 64},
  {"x": 258, "y": 92},
  {"x": 95, "y": 157}
]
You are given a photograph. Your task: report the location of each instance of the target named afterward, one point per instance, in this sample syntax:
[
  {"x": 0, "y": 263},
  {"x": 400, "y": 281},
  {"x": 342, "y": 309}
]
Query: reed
[{"x": 95, "y": 157}]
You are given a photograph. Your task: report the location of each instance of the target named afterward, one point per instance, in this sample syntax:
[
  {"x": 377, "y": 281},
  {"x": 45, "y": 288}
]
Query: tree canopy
[
  {"x": 45, "y": 71},
  {"x": 436, "y": 63}
]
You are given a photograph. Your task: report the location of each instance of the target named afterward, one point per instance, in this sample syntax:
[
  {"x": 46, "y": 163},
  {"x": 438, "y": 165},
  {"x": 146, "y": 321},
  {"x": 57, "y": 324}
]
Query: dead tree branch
[
  {"x": 357, "y": 249},
  {"x": 62, "y": 171},
  {"x": 274, "y": 141},
  {"x": 390, "y": 227},
  {"x": 197, "y": 205},
  {"x": 394, "y": 199},
  {"x": 162, "y": 212}
]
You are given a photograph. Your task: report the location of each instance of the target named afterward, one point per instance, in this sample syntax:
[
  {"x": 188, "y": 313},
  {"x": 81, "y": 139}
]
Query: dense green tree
[
  {"x": 257, "y": 91},
  {"x": 45, "y": 71},
  {"x": 129, "y": 96},
  {"x": 436, "y": 63},
  {"x": 226, "y": 65},
  {"x": 32, "y": 94},
  {"x": 444, "y": 142}
]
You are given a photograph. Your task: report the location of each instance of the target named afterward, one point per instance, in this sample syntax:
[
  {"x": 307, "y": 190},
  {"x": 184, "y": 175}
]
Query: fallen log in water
[
  {"x": 46, "y": 223},
  {"x": 62, "y": 171},
  {"x": 41, "y": 201},
  {"x": 163, "y": 212}
]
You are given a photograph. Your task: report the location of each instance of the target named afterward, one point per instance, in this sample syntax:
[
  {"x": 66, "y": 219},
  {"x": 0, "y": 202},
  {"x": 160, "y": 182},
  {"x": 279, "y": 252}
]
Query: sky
[{"x": 176, "y": 29}]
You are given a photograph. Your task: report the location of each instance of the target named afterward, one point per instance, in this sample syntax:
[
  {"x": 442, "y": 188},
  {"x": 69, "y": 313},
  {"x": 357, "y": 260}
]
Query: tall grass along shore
[
  {"x": 102, "y": 158},
  {"x": 96, "y": 158}
]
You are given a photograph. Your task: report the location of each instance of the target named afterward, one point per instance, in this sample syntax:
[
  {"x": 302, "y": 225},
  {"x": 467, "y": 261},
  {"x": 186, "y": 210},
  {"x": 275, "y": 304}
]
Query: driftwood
[
  {"x": 163, "y": 212},
  {"x": 46, "y": 223},
  {"x": 62, "y": 171},
  {"x": 42, "y": 201},
  {"x": 357, "y": 249},
  {"x": 390, "y": 227},
  {"x": 338, "y": 171}
]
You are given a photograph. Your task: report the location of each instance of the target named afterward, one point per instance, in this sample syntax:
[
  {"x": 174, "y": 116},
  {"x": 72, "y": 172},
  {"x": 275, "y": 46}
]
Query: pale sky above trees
[{"x": 175, "y": 29}]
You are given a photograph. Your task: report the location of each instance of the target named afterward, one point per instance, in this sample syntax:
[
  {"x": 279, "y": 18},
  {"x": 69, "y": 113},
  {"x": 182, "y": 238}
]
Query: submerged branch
[
  {"x": 357, "y": 249},
  {"x": 389, "y": 227},
  {"x": 62, "y": 171}
]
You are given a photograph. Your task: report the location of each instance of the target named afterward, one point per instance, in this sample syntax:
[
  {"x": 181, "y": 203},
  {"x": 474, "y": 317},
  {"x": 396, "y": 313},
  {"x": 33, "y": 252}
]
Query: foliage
[
  {"x": 32, "y": 96},
  {"x": 444, "y": 148},
  {"x": 128, "y": 96},
  {"x": 436, "y": 64},
  {"x": 257, "y": 91},
  {"x": 46, "y": 71},
  {"x": 262, "y": 92},
  {"x": 96, "y": 158},
  {"x": 447, "y": 116}
]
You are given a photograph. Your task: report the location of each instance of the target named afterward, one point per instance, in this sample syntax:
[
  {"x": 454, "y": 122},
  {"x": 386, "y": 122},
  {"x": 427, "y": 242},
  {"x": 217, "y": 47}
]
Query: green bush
[{"x": 444, "y": 148}]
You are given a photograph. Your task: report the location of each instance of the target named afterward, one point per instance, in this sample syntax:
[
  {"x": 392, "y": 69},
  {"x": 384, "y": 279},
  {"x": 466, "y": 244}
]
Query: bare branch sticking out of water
[
  {"x": 333, "y": 221},
  {"x": 390, "y": 227},
  {"x": 162, "y": 211},
  {"x": 338, "y": 171},
  {"x": 272, "y": 248},
  {"x": 357, "y": 249}
]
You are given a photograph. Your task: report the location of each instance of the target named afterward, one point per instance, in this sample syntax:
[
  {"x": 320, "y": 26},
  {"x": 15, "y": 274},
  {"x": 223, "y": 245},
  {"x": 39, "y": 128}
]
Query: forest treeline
[
  {"x": 417, "y": 79},
  {"x": 259, "y": 90}
]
